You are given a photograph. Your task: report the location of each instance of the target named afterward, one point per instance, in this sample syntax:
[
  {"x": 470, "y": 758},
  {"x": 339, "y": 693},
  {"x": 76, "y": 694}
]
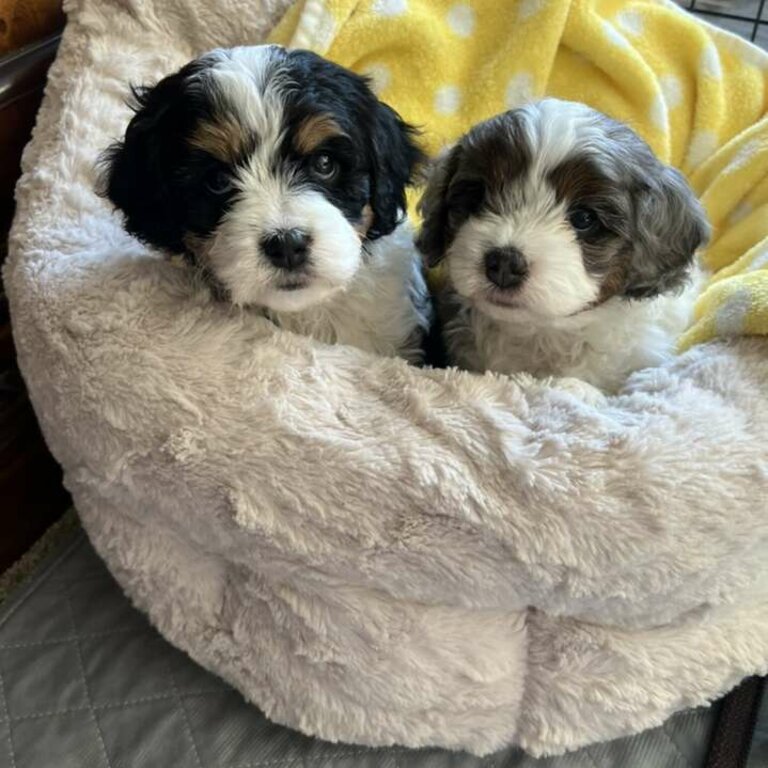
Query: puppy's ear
[
  {"x": 432, "y": 239},
  {"x": 670, "y": 225},
  {"x": 395, "y": 156},
  {"x": 136, "y": 173}
]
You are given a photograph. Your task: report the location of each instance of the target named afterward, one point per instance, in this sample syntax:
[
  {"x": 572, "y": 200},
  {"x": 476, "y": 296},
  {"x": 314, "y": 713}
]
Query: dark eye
[
  {"x": 323, "y": 166},
  {"x": 219, "y": 183},
  {"x": 583, "y": 219}
]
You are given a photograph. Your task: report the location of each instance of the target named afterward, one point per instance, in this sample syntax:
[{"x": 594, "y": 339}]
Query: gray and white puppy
[{"x": 568, "y": 246}]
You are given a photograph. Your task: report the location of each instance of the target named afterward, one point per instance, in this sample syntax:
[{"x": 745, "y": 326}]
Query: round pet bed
[{"x": 372, "y": 552}]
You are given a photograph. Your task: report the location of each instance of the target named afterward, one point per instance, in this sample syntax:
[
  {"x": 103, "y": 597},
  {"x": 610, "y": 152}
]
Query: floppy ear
[
  {"x": 137, "y": 174},
  {"x": 670, "y": 225},
  {"x": 395, "y": 156},
  {"x": 432, "y": 239}
]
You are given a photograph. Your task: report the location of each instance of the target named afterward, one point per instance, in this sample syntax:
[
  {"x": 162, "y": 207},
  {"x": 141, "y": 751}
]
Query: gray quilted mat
[{"x": 86, "y": 682}]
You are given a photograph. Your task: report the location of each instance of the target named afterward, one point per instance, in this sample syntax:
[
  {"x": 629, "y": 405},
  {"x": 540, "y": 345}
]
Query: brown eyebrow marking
[
  {"x": 314, "y": 130},
  {"x": 507, "y": 154},
  {"x": 222, "y": 137},
  {"x": 579, "y": 178},
  {"x": 497, "y": 153}
]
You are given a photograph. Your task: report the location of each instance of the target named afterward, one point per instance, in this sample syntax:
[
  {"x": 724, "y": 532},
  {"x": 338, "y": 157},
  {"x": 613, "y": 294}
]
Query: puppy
[
  {"x": 278, "y": 176},
  {"x": 567, "y": 246}
]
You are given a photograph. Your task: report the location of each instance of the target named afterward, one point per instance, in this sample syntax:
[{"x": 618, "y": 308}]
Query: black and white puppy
[
  {"x": 277, "y": 175},
  {"x": 568, "y": 246}
]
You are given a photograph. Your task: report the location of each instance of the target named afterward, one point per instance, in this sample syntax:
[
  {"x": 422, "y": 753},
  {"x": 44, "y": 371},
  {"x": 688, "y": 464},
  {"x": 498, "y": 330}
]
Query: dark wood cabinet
[{"x": 31, "y": 493}]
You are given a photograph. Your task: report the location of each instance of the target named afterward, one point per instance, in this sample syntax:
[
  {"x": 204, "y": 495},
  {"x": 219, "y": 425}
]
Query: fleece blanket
[
  {"x": 372, "y": 552},
  {"x": 698, "y": 95}
]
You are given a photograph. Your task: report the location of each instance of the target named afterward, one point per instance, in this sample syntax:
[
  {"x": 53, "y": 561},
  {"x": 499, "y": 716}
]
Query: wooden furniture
[
  {"x": 27, "y": 21},
  {"x": 31, "y": 493}
]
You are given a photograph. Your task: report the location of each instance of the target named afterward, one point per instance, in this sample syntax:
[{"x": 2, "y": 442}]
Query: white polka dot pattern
[
  {"x": 390, "y": 7},
  {"x": 630, "y": 22},
  {"x": 520, "y": 90},
  {"x": 672, "y": 89},
  {"x": 461, "y": 20},
  {"x": 529, "y": 8},
  {"x": 743, "y": 156},
  {"x": 710, "y": 62},
  {"x": 447, "y": 99},
  {"x": 380, "y": 75},
  {"x": 700, "y": 148}
]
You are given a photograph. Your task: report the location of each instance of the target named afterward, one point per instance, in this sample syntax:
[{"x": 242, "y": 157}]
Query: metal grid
[{"x": 749, "y": 19}]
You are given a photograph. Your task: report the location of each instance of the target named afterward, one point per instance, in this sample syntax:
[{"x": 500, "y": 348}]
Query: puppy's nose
[
  {"x": 505, "y": 267},
  {"x": 287, "y": 248}
]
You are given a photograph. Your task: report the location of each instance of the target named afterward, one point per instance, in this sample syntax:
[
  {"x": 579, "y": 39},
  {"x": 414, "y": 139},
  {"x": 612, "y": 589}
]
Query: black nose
[
  {"x": 287, "y": 248},
  {"x": 505, "y": 267}
]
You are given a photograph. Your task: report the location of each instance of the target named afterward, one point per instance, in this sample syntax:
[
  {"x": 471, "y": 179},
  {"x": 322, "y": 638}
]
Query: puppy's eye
[
  {"x": 323, "y": 166},
  {"x": 583, "y": 219},
  {"x": 219, "y": 183}
]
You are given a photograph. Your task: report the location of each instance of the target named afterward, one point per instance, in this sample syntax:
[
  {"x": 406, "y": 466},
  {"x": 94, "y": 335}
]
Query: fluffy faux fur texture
[{"x": 369, "y": 551}]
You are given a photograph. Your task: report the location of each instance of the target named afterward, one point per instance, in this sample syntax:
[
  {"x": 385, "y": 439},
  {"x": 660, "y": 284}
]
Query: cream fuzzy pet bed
[{"x": 371, "y": 552}]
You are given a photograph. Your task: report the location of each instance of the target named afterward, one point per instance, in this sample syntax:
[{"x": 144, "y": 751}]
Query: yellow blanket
[{"x": 696, "y": 94}]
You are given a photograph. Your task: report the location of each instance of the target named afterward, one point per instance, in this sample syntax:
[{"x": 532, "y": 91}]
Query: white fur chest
[
  {"x": 601, "y": 346},
  {"x": 385, "y": 309}
]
